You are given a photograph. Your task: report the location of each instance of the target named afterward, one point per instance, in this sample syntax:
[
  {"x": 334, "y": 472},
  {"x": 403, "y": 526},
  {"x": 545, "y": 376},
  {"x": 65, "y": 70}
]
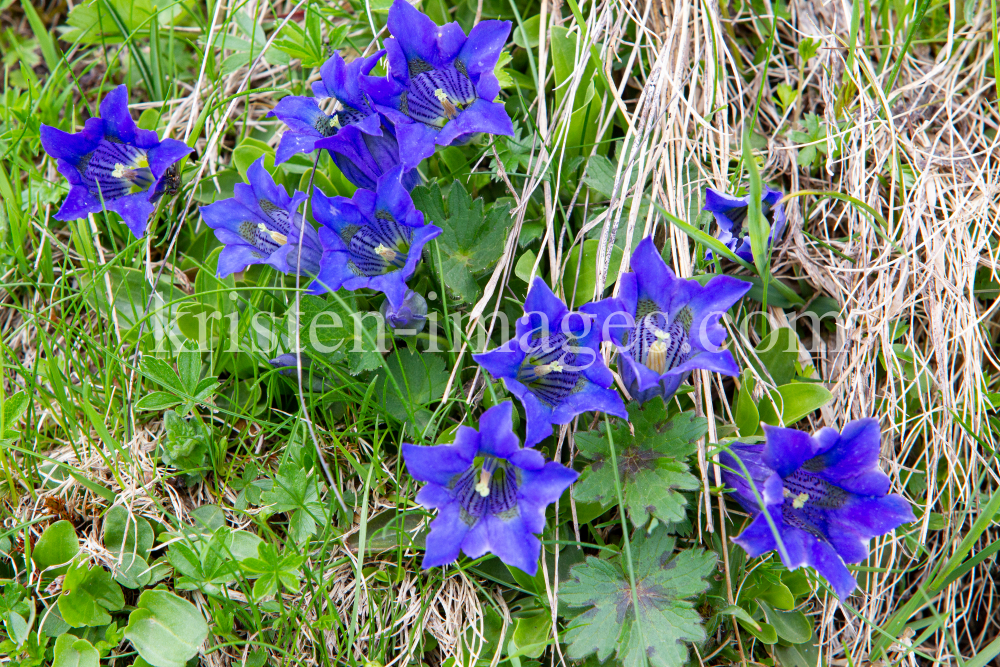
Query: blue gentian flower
[
  {"x": 731, "y": 215},
  {"x": 490, "y": 493},
  {"x": 665, "y": 326},
  {"x": 553, "y": 365},
  {"x": 824, "y": 493},
  {"x": 262, "y": 225},
  {"x": 441, "y": 85},
  {"x": 113, "y": 160},
  {"x": 361, "y": 143},
  {"x": 408, "y": 318},
  {"x": 373, "y": 239}
]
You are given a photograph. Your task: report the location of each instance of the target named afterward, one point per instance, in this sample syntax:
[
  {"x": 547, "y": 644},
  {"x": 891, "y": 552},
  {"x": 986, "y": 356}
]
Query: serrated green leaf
[
  {"x": 471, "y": 239},
  {"x": 420, "y": 378},
  {"x": 651, "y": 463},
  {"x": 655, "y": 636},
  {"x": 296, "y": 492}
]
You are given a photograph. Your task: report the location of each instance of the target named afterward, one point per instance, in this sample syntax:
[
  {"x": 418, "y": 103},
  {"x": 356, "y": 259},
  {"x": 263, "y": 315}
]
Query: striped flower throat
[
  {"x": 489, "y": 487},
  {"x": 549, "y": 370},
  {"x": 381, "y": 247},
  {"x": 437, "y": 95},
  {"x": 659, "y": 346},
  {"x": 115, "y": 169},
  {"x": 807, "y": 499},
  {"x": 738, "y": 217}
]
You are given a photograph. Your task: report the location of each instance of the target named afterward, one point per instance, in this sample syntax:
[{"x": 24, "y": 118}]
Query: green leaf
[
  {"x": 249, "y": 150},
  {"x": 600, "y": 175},
  {"x": 524, "y": 265},
  {"x": 791, "y": 626},
  {"x": 11, "y": 410},
  {"x": 665, "y": 620},
  {"x": 126, "y": 533},
  {"x": 651, "y": 463},
  {"x": 162, "y": 373},
  {"x": 88, "y": 595},
  {"x": 71, "y": 651},
  {"x": 801, "y": 655},
  {"x": 57, "y": 545},
  {"x": 587, "y": 278},
  {"x": 778, "y": 352},
  {"x": 186, "y": 446},
  {"x": 762, "y": 631},
  {"x": 296, "y": 491},
  {"x": 471, "y": 241},
  {"x": 165, "y": 629},
  {"x": 747, "y": 417},
  {"x": 500, "y": 72},
  {"x": 270, "y": 570},
  {"x": 531, "y": 635},
  {"x": 760, "y": 229},
  {"x": 776, "y": 594},
  {"x": 794, "y": 402},
  {"x": 158, "y": 401},
  {"x": 130, "y": 539},
  {"x": 420, "y": 377}
]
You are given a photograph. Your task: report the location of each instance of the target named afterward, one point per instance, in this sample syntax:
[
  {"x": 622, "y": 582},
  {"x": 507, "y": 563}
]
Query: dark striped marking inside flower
[
  {"x": 739, "y": 215},
  {"x": 380, "y": 247},
  {"x": 489, "y": 489},
  {"x": 807, "y": 498},
  {"x": 549, "y": 370},
  {"x": 437, "y": 95},
  {"x": 115, "y": 169},
  {"x": 654, "y": 343}
]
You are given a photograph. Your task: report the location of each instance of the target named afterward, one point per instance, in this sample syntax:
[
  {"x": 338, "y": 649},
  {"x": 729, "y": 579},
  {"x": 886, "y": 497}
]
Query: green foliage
[
  {"x": 129, "y": 538},
  {"x": 296, "y": 492},
  {"x": 73, "y": 652},
  {"x": 166, "y": 630},
  {"x": 57, "y": 545},
  {"x": 185, "y": 386},
  {"x": 417, "y": 381},
  {"x": 271, "y": 569},
  {"x": 186, "y": 446},
  {"x": 209, "y": 561},
  {"x": 471, "y": 240},
  {"x": 307, "y": 43},
  {"x": 655, "y": 634},
  {"x": 651, "y": 462},
  {"x": 88, "y": 594}
]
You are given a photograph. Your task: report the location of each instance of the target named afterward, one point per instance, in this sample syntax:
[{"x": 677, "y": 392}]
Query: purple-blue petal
[{"x": 787, "y": 449}]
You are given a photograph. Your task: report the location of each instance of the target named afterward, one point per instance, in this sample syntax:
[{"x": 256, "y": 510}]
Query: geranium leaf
[
  {"x": 651, "y": 463},
  {"x": 656, "y": 636}
]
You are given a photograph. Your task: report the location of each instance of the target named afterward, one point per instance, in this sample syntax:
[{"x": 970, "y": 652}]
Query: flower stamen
[
  {"x": 386, "y": 253},
  {"x": 450, "y": 111},
  {"x": 656, "y": 358},
  {"x": 800, "y": 500},
  {"x": 544, "y": 369},
  {"x": 483, "y": 487},
  {"x": 278, "y": 238}
]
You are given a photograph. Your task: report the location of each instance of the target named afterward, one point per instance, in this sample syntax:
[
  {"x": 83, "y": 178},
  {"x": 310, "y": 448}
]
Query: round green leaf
[
  {"x": 57, "y": 545},
  {"x": 791, "y": 626},
  {"x": 165, "y": 629},
  {"x": 71, "y": 651}
]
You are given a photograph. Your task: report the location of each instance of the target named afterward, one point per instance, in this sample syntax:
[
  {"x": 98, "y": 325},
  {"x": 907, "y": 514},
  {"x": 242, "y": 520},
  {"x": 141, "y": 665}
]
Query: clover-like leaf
[
  {"x": 666, "y": 619},
  {"x": 651, "y": 463}
]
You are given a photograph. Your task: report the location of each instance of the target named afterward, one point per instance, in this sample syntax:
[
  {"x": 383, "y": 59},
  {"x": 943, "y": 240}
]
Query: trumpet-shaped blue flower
[
  {"x": 410, "y": 317},
  {"x": 373, "y": 239},
  {"x": 490, "y": 493},
  {"x": 731, "y": 215},
  {"x": 261, "y": 224},
  {"x": 441, "y": 85},
  {"x": 114, "y": 161},
  {"x": 553, "y": 365},
  {"x": 362, "y": 144},
  {"x": 665, "y": 326},
  {"x": 825, "y": 494}
]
